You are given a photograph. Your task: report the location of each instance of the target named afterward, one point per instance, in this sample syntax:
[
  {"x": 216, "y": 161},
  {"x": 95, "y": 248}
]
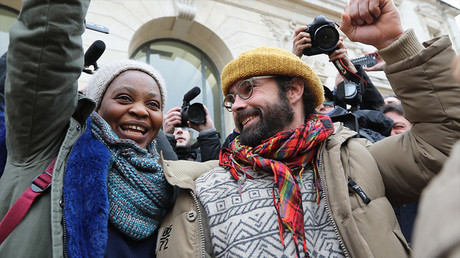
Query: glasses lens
[
  {"x": 245, "y": 89},
  {"x": 228, "y": 101}
]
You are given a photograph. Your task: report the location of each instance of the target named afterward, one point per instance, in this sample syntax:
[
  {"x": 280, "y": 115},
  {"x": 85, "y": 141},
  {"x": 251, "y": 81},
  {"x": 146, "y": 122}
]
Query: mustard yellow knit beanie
[{"x": 271, "y": 61}]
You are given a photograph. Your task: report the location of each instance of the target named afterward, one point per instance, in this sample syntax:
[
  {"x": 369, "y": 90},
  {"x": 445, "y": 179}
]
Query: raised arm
[
  {"x": 420, "y": 75},
  {"x": 45, "y": 59}
]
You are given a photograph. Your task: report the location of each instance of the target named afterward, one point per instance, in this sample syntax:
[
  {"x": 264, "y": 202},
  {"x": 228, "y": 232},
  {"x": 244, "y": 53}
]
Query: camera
[
  {"x": 324, "y": 36},
  {"x": 195, "y": 112},
  {"x": 351, "y": 93},
  {"x": 368, "y": 60}
]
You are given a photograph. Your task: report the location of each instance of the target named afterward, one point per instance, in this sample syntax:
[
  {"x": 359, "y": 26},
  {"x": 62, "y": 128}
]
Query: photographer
[
  {"x": 371, "y": 98},
  {"x": 208, "y": 144},
  {"x": 371, "y": 124}
]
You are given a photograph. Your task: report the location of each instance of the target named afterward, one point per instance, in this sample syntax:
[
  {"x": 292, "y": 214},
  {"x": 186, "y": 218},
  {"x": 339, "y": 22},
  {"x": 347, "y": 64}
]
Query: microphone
[
  {"x": 191, "y": 94},
  {"x": 92, "y": 55}
]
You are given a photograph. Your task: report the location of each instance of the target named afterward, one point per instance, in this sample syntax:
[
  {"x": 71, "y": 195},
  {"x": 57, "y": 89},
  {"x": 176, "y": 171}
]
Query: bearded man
[{"x": 293, "y": 184}]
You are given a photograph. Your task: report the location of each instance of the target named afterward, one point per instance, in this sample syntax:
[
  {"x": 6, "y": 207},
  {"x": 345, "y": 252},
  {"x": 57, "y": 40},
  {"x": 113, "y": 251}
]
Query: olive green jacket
[{"x": 44, "y": 117}]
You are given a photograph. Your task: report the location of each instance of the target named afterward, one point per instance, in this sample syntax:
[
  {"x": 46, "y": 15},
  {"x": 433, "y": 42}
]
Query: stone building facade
[{"x": 190, "y": 41}]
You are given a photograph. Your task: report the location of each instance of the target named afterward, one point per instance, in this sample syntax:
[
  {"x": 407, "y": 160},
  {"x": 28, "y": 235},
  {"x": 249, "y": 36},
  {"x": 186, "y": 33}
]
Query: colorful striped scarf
[{"x": 280, "y": 154}]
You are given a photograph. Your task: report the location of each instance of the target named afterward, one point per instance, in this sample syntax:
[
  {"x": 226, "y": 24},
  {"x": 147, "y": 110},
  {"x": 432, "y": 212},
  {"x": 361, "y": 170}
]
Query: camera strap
[{"x": 347, "y": 74}]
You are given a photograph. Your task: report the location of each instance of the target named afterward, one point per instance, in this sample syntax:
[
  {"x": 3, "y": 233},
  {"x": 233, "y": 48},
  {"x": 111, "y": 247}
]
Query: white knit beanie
[{"x": 101, "y": 79}]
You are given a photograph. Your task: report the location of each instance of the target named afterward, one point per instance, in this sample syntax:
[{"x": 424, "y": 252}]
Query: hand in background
[
  {"x": 342, "y": 53},
  {"x": 302, "y": 40},
  {"x": 376, "y": 67},
  {"x": 208, "y": 124},
  {"x": 171, "y": 119}
]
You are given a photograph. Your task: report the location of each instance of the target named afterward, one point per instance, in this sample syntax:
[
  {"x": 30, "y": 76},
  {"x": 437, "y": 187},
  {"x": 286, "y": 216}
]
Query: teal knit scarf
[{"x": 136, "y": 186}]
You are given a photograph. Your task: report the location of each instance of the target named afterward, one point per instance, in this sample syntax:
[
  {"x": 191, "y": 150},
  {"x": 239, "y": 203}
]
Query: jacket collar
[{"x": 182, "y": 173}]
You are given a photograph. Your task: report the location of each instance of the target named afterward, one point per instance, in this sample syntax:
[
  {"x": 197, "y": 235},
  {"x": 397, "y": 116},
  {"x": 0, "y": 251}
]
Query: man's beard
[{"x": 274, "y": 120}]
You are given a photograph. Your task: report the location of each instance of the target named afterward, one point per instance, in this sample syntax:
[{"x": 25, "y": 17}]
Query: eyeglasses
[
  {"x": 244, "y": 91},
  {"x": 328, "y": 104}
]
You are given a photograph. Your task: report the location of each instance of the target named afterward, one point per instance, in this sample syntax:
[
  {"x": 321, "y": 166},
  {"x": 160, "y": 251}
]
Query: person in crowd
[
  {"x": 109, "y": 191},
  {"x": 367, "y": 118},
  {"x": 292, "y": 183},
  {"x": 396, "y": 113},
  {"x": 371, "y": 97},
  {"x": 391, "y": 99},
  {"x": 208, "y": 143},
  {"x": 437, "y": 226},
  {"x": 329, "y": 104}
]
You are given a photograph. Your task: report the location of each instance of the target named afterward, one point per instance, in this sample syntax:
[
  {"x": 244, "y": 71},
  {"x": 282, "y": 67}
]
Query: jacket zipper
[
  {"x": 64, "y": 229},
  {"x": 329, "y": 213},
  {"x": 200, "y": 226}
]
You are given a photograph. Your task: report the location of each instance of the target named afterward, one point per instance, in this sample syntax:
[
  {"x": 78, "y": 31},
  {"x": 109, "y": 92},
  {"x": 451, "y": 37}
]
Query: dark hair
[
  {"x": 307, "y": 98},
  {"x": 393, "y": 108},
  {"x": 390, "y": 95}
]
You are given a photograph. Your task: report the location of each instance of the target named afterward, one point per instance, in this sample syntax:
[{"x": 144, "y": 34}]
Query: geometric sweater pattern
[{"x": 246, "y": 224}]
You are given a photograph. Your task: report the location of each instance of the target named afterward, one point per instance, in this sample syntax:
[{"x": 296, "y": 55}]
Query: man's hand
[
  {"x": 208, "y": 124},
  {"x": 372, "y": 22},
  {"x": 302, "y": 40},
  {"x": 342, "y": 53},
  {"x": 171, "y": 119},
  {"x": 376, "y": 67}
]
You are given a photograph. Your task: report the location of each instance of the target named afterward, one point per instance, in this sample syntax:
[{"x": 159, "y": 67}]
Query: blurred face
[
  {"x": 182, "y": 136},
  {"x": 326, "y": 107},
  {"x": 132, "y": 105},
  {"x": 262, "y": 115},
  {"x": 392, "y": 100},
  {"x": 400, "y": 123}
]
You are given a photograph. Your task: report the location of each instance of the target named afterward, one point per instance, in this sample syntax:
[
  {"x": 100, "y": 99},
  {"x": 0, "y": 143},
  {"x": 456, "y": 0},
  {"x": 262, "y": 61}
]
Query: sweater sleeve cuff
[{"x": 406, "y": 46}]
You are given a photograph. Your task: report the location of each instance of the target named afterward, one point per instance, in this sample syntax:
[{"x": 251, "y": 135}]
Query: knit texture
[
  {"x": 280, "y": 154},
  {"x": 271, "y": 61},
  {"x": 136, "y": 186},
  {"x": 245, "y": 224},
  {"x": 395, "y": 52},
  {"x": 106, "y": 74}
]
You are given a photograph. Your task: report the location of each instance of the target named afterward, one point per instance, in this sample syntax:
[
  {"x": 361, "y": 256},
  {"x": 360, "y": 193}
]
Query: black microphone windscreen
[
  {"x": 191, "y": 94},
  {"x": 94, "y": 52}
]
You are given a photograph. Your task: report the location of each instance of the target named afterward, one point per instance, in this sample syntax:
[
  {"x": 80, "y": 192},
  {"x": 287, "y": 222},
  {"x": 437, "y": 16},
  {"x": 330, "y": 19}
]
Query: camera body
[
  {"x": 351, "y": 93},
  {"x": 324, "y": 36},
  {"x": 195, "y": 112}
]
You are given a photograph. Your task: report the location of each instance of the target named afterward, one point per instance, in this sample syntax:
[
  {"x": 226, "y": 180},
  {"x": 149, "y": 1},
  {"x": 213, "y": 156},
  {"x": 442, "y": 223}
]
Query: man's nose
[{"x": 239, "y": 104}]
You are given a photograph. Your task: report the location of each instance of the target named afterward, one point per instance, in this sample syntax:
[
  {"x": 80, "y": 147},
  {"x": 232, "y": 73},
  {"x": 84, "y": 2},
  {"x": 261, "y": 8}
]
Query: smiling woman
[
  {"x": 109, "y": 192},
  {"x": 132, "y": 103}
]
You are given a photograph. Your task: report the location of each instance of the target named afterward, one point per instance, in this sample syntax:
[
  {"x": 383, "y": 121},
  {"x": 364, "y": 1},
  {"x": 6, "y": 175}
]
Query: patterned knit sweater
[{"x": 246, "y": 225}]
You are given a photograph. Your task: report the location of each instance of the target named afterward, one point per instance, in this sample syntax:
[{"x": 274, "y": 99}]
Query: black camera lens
[
  {"x": 326, "y": 37},
  {"x": 196, "y": 113}
]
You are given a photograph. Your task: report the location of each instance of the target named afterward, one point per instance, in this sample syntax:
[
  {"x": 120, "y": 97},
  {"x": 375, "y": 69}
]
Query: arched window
[
  {"x": 183, "y": 67},
  {"x": 7, "y": 17}
]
